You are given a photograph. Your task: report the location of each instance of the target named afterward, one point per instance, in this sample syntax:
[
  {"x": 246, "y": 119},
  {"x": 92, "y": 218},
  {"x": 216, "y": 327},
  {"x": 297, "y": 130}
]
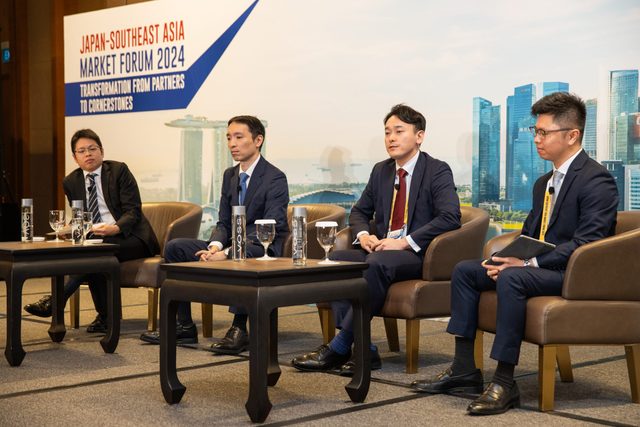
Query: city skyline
[{"x": 524, "y": 166}]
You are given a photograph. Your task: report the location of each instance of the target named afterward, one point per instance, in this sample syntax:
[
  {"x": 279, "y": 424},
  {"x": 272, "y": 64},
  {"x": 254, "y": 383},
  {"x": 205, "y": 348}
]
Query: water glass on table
[
  {"x": 57, "y": 222},
  {"x": 266, "y": 232},
  {"x": 326, "y": 235}
]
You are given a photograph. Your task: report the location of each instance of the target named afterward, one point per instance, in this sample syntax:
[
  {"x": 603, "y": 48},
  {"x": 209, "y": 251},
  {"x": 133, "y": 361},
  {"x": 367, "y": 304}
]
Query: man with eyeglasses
[
  {"x": 108, "y": 190},
  {"x": 573, "y": 204}
]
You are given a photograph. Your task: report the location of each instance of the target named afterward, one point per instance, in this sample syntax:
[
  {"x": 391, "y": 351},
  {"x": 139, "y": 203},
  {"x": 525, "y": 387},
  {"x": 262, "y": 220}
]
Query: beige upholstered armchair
[{"x": 600, "y": 305}]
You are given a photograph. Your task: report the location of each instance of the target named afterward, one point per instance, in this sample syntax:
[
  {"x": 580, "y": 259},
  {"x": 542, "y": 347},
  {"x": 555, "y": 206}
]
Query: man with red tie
[{"x": 412, "y": 199}]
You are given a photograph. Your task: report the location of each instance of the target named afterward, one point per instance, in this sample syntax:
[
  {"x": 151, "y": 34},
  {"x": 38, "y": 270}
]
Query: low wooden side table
[
  {"x": 22, "y": 261},
  {"x": 261, "y": 287}
]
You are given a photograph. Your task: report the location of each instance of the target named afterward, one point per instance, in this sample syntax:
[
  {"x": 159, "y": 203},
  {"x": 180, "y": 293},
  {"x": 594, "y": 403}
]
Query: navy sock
[
  {"x": 504, "y": 374},
  {"x": 463, "y": 359},
  {"x": 341, "y": 343}
]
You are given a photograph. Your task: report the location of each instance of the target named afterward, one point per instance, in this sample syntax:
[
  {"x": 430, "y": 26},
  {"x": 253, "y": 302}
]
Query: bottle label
[
  {"x": 299, "y": 241},
  {"x": 27, "y": 224},
  {"x": 239, "y": 243}
]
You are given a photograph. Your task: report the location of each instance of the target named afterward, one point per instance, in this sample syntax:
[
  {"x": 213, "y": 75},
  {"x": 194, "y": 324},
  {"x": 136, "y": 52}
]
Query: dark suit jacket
[
  {"x": 434, "y": 206},
  {"x": 267, "y": 198},
  {"x": 122, "y": 197},
  {"x": 585, "y": 210}
]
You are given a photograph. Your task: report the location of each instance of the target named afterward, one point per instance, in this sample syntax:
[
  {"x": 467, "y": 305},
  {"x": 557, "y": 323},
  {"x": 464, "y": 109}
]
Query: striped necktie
[{"x": 93, "y": 198}]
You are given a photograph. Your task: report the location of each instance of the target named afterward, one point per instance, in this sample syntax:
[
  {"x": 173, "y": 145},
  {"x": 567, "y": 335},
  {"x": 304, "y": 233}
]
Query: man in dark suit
[
  {"x": 579, "y": 198},
  {"x": 412, "y": 199},
  {"x": 262, "y": 189},
  {"x": 109, "y": 190}
]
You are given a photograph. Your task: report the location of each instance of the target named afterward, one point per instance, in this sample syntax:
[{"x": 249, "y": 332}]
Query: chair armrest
[
  {"x": 187, "y": 226},
  {"x": 607, "y": 269},
  {"x": 343, "y": 239},
  {"x": 449, "y": 248},
  {"x": 499, "y": 242}
]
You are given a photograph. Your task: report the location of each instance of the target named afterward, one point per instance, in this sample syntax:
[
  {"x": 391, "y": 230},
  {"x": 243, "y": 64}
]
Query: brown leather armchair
[
  {"x": 429, "y": 296},
  {"x": 600, "y": 305},
  {"x": 169, "y": 220},
  {"x": 315, "y": 212}
]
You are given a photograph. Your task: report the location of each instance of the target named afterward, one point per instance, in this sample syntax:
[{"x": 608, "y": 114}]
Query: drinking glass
[
  {"x": 266, "y": 232},
  {"x": 87, "y": 224},
  {"x": 56, "y": 221},
  {"x": 326, "y": 235}
]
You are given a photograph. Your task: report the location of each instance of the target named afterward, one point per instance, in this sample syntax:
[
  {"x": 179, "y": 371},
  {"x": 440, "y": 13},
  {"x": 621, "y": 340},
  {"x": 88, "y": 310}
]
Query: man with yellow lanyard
[
  {"x": 412, "y": 199},
  {"x": 572, "y": 205}
]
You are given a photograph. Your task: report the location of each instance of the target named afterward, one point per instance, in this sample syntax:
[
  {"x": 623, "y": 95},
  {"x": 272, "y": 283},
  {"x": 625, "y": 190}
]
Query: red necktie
[{"x": 397, "y": 220}]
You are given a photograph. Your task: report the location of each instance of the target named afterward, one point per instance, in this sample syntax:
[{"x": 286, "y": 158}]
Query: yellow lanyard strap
[{"x": 546, "y": 212}]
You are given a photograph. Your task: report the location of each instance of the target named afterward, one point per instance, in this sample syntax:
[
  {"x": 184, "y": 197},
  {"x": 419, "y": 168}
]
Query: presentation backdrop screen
[{"x": 159, "y": 80}]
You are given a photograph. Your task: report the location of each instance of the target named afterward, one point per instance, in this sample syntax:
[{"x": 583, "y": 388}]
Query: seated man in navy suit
[
  {"x": 412, "y": 199},
  {"x": 578, "y": 199},
  {"x": 262, "y": 189}
]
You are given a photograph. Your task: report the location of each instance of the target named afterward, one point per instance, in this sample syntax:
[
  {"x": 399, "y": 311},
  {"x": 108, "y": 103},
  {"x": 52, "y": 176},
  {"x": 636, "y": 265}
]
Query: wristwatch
[{"x": 526, "y": 262}]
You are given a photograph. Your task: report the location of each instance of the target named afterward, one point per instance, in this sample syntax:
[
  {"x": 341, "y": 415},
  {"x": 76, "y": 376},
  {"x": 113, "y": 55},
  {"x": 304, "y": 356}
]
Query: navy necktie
[
  {"x": 93, "y": 198},
  {"x": 243, "y": 187}
]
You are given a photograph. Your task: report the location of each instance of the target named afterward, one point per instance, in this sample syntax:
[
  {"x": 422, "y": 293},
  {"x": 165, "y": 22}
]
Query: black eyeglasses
[
  {"x": 543, "y": 133},
  {"x": 83, "y": 151}
]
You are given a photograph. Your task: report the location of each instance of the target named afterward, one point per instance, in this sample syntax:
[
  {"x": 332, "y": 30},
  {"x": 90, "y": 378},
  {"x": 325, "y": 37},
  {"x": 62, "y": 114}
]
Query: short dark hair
[
  {"x": 567, "y": 110},
  {"x": 408, "y": 115},
  {"x": 85, "y": 133},
  {"x": 253, "y": 123}
]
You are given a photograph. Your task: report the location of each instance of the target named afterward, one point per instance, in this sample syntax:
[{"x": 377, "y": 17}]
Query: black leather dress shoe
[
  {"x": 235, "y": 341},
  {"x": 42, "y": 308},
  {"x": 321, "y": 359},
  {"x": 98, "y": 326},
  {"x": 495, "y": 400},
  {"x": 184, "y": 335},
  {"x": 445, "y": 382},
  {"x": 349, "y": 368}
]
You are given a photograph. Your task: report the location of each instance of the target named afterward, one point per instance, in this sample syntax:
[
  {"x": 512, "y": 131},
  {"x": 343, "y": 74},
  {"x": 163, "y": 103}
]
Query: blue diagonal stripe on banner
[{"x": 168, "y": 99}]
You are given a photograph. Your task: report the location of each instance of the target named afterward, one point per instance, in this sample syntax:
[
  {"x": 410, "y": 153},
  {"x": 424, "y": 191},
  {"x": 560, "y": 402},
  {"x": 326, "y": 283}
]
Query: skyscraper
[
  {"x": 616, "y": 169},
  {"x": 524, "y": 165},
  {"x": 589, "y": 140},
  {"x": 632, "y": 188},
  {"x": 623, "y": 98},
  {"x": 627, "y": 138},
  {"x": 486, "y": 151}
]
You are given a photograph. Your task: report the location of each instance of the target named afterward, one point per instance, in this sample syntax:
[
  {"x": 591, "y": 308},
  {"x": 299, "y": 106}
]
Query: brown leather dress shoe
[
  {"x": 446, "y": 382},
  {"x": 42, "y": 308},
  {"x": 234, "y": 342},
  {"x": 495, "y": 400},
  {"x": 321, "y": 359}
]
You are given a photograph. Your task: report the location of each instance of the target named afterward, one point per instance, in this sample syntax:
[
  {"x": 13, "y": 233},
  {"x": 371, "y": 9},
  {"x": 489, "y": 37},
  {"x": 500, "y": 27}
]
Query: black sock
[
  {"x": 504, "y": 374},
  {"x": 240, "y": 321},
  {"x": 463, "y": 361}
]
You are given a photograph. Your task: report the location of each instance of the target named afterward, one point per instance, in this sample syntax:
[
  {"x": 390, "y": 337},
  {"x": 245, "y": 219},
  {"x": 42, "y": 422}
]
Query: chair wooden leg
[
  {"x": 546, "y": 377},
  {"x": 207, "y": 320},
  {"x": 633, "y": 366},
  {"x": 74, "y": 310},
  {"x": 152, "y": 309},
  {"x": 326, "y": 324},
  {"x": 413, "y": 344},
  {"x": 478, "y": 350},
  {"x": 563, "y": 358},
  {"x": 391, "y": 328}
]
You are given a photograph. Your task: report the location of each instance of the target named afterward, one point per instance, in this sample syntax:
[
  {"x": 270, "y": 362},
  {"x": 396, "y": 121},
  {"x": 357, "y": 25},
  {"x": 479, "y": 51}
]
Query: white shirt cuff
[
  {"x": 216, "y": 244},
  {"x": 413, "y": 244}
]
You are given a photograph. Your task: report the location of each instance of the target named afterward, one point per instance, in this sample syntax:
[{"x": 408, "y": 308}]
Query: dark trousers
[
  {"x": 514, "y": 286},
  {"x": 130, "y": 248},
  {"x": 184, "y": 250},
  {"x": 385, "y": 267}
]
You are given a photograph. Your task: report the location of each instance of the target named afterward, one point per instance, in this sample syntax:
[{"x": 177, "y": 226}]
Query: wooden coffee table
[
  {"x": 22, "y": 261},
  {"x": 261, "y": 287}
]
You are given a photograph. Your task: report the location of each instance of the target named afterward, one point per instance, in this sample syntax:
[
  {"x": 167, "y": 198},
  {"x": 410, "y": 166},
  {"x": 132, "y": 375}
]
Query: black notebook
[{"x": 524, "y": 247}]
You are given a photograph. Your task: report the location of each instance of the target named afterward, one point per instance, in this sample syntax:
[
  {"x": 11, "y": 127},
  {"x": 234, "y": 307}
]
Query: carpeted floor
[{"x": 76, "y": 383}]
